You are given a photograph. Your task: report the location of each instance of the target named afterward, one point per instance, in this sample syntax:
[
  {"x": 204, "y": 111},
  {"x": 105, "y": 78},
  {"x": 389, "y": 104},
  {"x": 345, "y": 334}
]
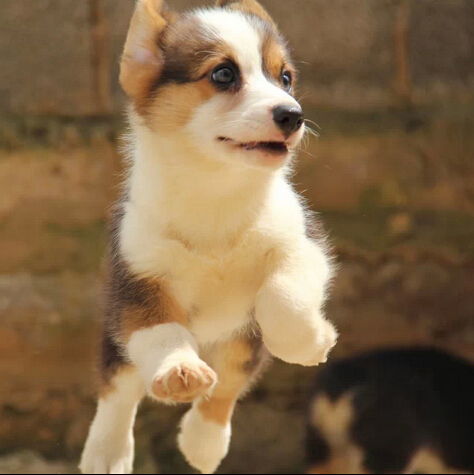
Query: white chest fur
[
  {"x": 217, "y": 290},
  {"x": 208, "y": 232}
]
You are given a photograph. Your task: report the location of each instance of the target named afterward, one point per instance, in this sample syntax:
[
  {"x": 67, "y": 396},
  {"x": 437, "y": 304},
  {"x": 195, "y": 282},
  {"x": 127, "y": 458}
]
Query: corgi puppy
[
  {"x": 393, "y": 411},
  {"x": 211, "y": 264}
]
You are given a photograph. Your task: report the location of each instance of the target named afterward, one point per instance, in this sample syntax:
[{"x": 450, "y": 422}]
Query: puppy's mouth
[{"x": 270, "y": 147}]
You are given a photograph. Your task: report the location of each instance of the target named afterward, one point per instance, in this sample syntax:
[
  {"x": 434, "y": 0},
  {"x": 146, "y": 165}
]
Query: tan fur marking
[
  {"x": 107, "y": 386},
  {"x": 348, "y": 461},
  {"x": 231, "y": 362},
  {"x": 175, "y": 103},
  {"x": 161, "y": 308},
  {"x": 273, "y": 57},
  {"x": 333, "y": 419},
  {"x": 248, "y": 6},
  {"x": 427, "y": 461},
  {"x": 213, "y": 59},
  {"x": 326, "y": 467},
  {"x": 218, "y": 410},
  {"x": 201, "y": 51}
]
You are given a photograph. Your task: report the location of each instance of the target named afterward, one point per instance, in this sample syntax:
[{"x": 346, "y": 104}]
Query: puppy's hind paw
[{"x": 203, "y": 443}]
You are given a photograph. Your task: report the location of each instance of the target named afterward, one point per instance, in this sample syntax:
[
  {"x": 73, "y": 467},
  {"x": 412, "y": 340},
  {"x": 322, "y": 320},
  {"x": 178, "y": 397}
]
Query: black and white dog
[{"x": 393, "y": 411}]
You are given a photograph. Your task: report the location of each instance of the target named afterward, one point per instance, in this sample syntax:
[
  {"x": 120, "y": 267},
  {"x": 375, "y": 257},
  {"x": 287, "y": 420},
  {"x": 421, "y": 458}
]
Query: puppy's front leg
[
  {"x": 167, "y": 358},
  {"x": 289, "y": 306},
  {"x": 110, "y": 444}
]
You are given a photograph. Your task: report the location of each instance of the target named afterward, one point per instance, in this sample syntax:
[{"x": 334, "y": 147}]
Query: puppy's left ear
[
  {"x": 142, "y": 59},
  {"x": 248, "y": 6}
]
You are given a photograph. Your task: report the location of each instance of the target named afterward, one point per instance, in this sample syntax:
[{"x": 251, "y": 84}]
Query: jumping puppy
[{"x": 210, "y": 259}]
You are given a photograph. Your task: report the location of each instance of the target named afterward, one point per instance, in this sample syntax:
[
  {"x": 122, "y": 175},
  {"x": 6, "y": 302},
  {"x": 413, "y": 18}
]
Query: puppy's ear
[
  {"x": 247, "y": 6},
  {"x": 142, "y": 59}
]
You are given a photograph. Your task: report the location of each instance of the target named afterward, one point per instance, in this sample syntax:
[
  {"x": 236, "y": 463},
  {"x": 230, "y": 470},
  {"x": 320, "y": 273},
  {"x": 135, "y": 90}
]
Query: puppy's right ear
[{"x": 142, "y": 59}]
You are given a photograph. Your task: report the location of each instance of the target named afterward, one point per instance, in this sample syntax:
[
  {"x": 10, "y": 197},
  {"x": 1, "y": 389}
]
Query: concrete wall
[{"x": 60, "y": 57}]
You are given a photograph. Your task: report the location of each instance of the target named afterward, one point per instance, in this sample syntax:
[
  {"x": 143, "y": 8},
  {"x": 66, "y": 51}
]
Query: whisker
[
  {"x": 312, "y": 132},
  {"x": 307, "y": 153},
  {"x": 303, "y": 96},
  {"x": 313, "y": 123}
]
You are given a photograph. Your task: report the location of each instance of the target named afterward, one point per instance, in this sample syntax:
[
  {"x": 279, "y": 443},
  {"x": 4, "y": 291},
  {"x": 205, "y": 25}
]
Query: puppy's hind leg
[
  {"x": 206, "y": 428},
  {"x": 110, "y": 444}
]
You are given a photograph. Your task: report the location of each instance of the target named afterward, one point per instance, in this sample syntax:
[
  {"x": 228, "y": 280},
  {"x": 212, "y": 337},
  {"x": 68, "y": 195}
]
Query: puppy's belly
[{"x": 219, "y": 323}]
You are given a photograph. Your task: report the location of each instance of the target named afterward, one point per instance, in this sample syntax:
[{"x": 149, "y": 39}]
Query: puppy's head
[{"x": 220, "y": 80}]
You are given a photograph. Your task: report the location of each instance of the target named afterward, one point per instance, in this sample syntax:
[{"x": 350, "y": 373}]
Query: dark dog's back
[{"x": 393, "y": 411}]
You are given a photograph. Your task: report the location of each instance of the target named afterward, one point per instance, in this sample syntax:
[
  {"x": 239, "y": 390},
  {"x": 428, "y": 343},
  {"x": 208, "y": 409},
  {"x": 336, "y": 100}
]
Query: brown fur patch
[
  {"x": 188, "y": 46},
  {"x": 112, "y": 356},
  {"x": 276, "y": 59},
  {"x": 131, "y": 303},
  {"x": 248, "y": 6},
  {"x": 273, "y": 57},
  {"x": 218, "y": 410},
  {"x": 238, "y": 363},
  {"x": 160, "y": 307},
  {"x": 167, "y": 59},
  {"x": 190, "y": 53},
  {"x": 174, "y": 103},
  {"x": 107, "y": 386}
]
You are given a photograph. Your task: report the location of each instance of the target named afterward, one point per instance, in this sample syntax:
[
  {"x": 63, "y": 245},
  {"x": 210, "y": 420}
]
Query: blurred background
[{"x": 390, "y": 85}]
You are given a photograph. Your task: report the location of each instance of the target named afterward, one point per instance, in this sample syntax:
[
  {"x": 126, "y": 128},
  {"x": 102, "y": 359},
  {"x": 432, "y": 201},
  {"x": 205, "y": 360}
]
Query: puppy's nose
[{"x": 288, "y": 118}]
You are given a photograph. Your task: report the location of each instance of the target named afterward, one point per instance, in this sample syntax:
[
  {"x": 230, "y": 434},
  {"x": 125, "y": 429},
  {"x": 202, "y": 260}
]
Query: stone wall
[
  {"x": 60, "y": 57},
  {"x": 391, "y": 84}
]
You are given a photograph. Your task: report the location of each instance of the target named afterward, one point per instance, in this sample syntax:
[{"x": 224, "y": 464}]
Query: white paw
[
  {"x": 326, "y": 340},
  {"x": 309, "y": 349},
  {"x": 203, "y": 443},
  {"x": 108, "y": 455}
]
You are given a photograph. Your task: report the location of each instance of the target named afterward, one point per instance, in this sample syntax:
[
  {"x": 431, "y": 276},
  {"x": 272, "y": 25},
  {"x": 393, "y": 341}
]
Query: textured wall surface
[
  {"x": 61, "y": 56},
  {"x": 390, "y": 82}
]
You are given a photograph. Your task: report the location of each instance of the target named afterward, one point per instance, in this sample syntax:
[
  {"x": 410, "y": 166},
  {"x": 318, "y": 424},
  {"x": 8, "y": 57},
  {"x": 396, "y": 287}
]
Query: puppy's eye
[
  {"x": 224, "y": 75},
  {"x": 287, "y": 80}
]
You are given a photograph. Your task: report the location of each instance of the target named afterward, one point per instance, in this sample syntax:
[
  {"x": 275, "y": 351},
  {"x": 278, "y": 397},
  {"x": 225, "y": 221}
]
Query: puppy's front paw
[
  {"x": 108, "y": 455},
  {"x": 184, "y": 382},
  {"x": 310, "y": 347},
  {"x": 203, "y": 443},
  {"x": 326, "y": 339}
]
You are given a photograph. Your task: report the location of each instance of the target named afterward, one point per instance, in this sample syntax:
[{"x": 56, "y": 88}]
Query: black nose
[{"x": 288, "y": 118}]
